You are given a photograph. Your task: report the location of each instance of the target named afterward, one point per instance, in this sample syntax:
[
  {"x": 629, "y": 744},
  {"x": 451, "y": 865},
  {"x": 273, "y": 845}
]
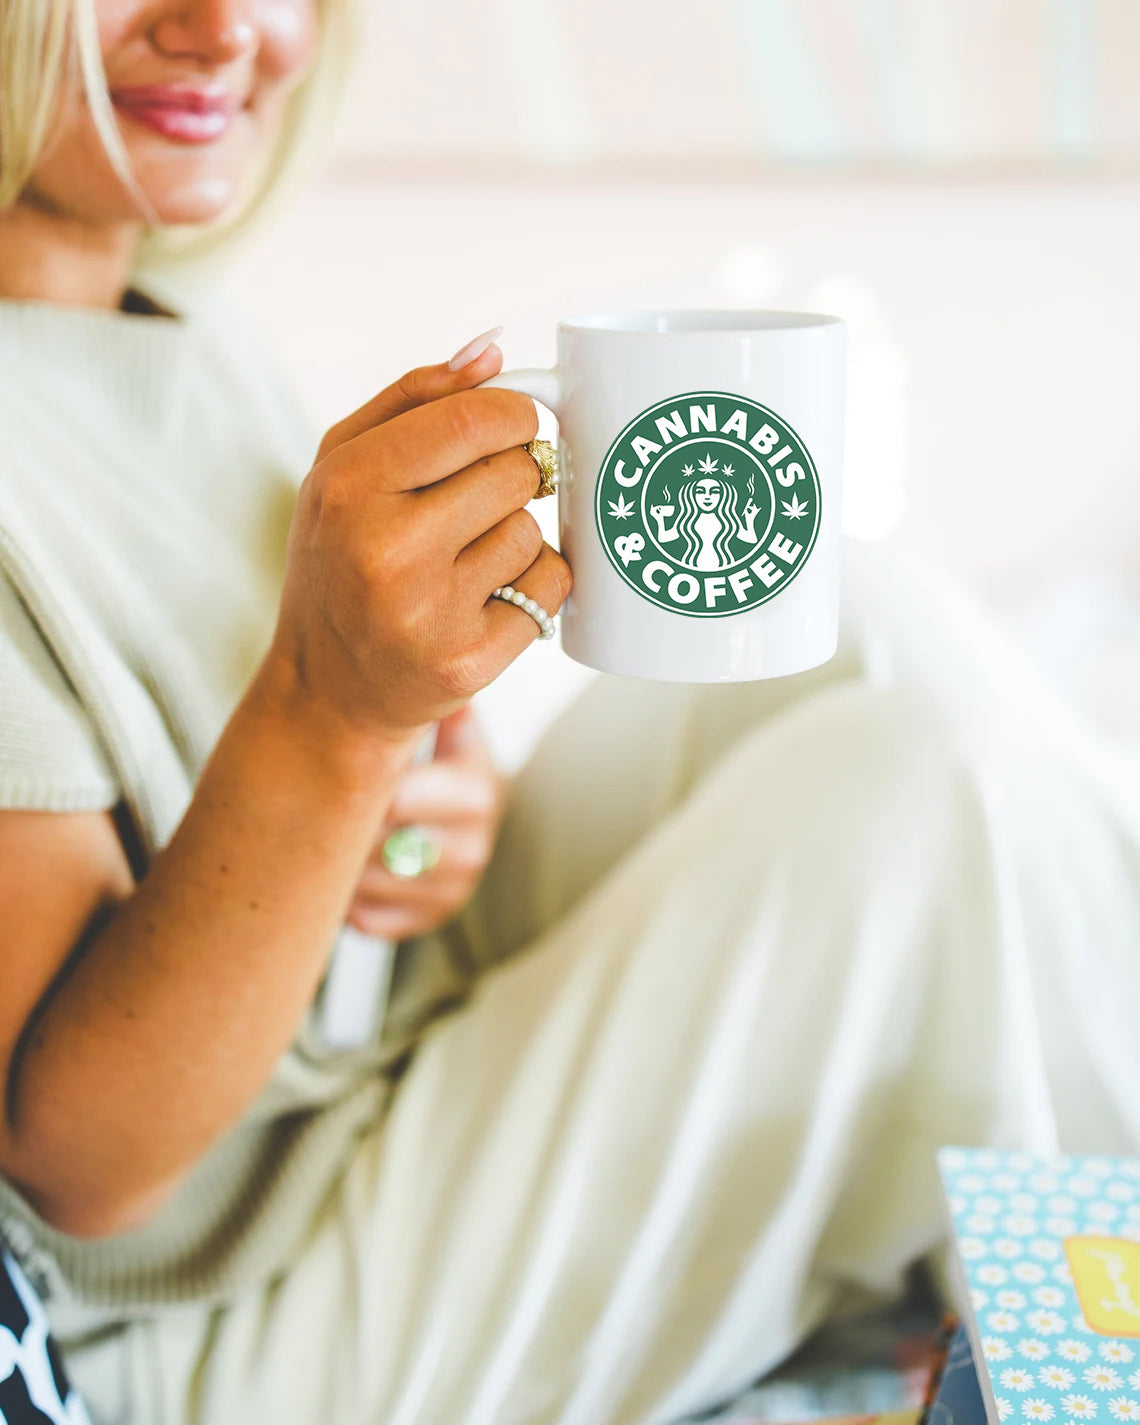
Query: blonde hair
[{"x": 46, "y": 44}]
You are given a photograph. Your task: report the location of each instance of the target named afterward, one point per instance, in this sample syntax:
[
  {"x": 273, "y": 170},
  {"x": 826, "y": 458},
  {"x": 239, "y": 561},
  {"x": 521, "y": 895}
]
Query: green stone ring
[{"x": 409, "y": 852}]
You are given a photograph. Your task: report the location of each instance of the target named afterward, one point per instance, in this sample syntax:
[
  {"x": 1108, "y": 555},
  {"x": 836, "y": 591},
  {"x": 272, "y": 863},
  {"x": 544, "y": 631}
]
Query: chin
[
  {"x": 194, "y": 186},
  {"x": 194, "y": 204}
]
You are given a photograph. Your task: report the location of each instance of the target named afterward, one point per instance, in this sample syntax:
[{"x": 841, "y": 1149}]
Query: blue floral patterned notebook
[{"x": 1048, "y": 1256}]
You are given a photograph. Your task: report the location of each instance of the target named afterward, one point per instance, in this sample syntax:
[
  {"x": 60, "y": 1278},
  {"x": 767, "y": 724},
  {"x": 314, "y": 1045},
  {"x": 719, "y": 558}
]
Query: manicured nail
[{"x": 475, "y": 347}]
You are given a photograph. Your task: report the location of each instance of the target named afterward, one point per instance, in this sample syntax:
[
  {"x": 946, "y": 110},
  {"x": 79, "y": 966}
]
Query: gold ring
[{"x": 545, "y": 457}]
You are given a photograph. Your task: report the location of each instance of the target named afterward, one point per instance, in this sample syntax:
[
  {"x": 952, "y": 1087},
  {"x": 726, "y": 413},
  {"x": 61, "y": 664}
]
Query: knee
[{"x": 860, "y": 783}]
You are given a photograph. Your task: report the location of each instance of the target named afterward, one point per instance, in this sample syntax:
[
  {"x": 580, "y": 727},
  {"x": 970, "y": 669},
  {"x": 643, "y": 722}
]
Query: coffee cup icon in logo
[{"x": 708, "y": 504}]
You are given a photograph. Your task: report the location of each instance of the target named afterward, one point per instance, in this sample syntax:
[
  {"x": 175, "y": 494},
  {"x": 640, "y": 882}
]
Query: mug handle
[{"x": 541, "y": 384}]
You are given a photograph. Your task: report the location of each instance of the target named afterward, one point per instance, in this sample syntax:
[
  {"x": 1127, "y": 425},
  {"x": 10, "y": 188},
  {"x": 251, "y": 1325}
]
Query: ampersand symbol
[{"x": 628, "y": 548}]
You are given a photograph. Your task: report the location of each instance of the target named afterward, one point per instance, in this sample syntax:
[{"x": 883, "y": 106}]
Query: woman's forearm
[{"x": 169, "y": 1022}]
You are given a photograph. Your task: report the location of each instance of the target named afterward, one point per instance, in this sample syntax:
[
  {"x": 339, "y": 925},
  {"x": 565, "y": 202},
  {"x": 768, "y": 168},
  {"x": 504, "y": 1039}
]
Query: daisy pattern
[
  {"x": 1124, "y": 1408},
  {"x": 995, "y": 1348},
  {"x": 1028, "y": 1272},
  {"x": 1006, "y": 1182},
  {"x": 989, "y": 1204},
  {"x": 971, "y": 1248},
  {"x": 1082, "y": 1186},
  {"x": 1044, "y": 1249},
  {"x": 1062, "y": 1206},
  {"x": 1057, "y": 1377},
  {"x": 1010, "y": 1300},
  {"x": 1050, "y": 1296},
  {"x": 1071, "y": 1350},
  {"x": 1103, "y": 1211},
  {"x": 1134, "y": 1380},
  {"x": 1079, "y": 1407},
  {"x": 1043, "y": 1182},
  {"x": 1019, "y": 1225},
  {"x": 1003, "y": 1321},
  {"x": 990, "y": 1274},
  {"x": 979, "y": 1298},
  {"x": 1004, "y": 1409},
  {"x": 1046, "y": 1323},
  {"x": 1037, "y": 1409},
  {"x": 1016, "y": 1378},
  {"x": 1032, "y": 1349},
  {"x": 1061, "y": 1226},
  {"x": 1115, "y": 1351},
  {"x": 1079, "y": 1323},
  {"x": 1008, "y": 1247},
  {"x": 980, "y": 1222},
  {"x": 1119, "y": 1192},
  {"x": 1023, "y": 1202},
  {"x": 1062, "y": 1273},
  {"x": 1102, "y": 1378}
]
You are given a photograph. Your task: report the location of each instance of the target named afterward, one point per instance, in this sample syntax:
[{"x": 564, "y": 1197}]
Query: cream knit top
[{"x": 148, "y": 469}]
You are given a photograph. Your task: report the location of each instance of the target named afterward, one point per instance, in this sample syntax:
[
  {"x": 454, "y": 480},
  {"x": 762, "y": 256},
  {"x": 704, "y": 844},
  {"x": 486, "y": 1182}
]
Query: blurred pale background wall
[{"x": 960, "y": 180}]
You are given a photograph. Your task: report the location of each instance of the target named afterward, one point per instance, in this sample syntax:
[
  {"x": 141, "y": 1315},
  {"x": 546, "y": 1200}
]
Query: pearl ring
[{"x": 528, "y": 606}]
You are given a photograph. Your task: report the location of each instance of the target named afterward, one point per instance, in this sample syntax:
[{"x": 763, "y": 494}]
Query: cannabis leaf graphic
[
  {"x": 620, "y": 509},
  {"x": 685, "y": 470},
  {"x": 708, "y": 465},
  {"x": 726, "y": 470},
  {"x": 793, "y": 508}
]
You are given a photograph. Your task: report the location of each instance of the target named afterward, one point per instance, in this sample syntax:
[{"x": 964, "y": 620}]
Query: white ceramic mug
[{"x": 700, "y": 479}]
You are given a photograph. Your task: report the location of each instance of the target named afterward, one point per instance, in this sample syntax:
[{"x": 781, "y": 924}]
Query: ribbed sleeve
[{"x": 50, "y": 757}]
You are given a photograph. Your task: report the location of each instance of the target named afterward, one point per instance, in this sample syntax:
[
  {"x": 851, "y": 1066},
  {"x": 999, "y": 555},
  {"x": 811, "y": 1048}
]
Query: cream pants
[{"x": 746, "y": 956}]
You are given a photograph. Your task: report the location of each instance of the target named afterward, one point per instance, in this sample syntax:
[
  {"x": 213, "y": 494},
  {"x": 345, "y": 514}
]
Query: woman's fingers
[
  {"x": 547, "y": 581},
  {"x": 460, "y": 740},
  {"x": 394, "y": 922},
  {"x": 477, "y": 498},
  {"x": 444, "y": 793},
  {"x": 424, "y": 445},
  {"x": 396, "y": 906},
  {"x": 415, "y": 388},
  {"x": 501, "y": 555}
]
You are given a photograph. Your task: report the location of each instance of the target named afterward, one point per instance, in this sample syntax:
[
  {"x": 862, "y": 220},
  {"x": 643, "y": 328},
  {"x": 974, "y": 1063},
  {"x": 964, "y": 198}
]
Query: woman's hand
[
  {"x": 457, "y": 799},
  {"x": 411, "y": 516}
]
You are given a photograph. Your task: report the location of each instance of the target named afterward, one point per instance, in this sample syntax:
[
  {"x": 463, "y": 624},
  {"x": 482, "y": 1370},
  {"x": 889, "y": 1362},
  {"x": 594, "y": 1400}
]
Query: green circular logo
[{"x": 708, "y": 504}]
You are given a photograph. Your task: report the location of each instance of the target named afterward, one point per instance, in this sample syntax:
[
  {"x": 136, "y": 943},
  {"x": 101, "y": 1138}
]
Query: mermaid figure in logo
[{"x": 709, "y": 520}]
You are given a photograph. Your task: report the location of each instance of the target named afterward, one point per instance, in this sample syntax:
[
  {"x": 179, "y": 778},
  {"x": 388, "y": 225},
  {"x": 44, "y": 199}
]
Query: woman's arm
[
  {"x": 176, "y": 997},
  {"x": 137, "y": 1024}
]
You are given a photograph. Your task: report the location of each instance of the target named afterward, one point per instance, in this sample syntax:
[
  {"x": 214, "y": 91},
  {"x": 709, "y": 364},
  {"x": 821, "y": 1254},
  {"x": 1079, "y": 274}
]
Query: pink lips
[{"x": 176, "y": 112}]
